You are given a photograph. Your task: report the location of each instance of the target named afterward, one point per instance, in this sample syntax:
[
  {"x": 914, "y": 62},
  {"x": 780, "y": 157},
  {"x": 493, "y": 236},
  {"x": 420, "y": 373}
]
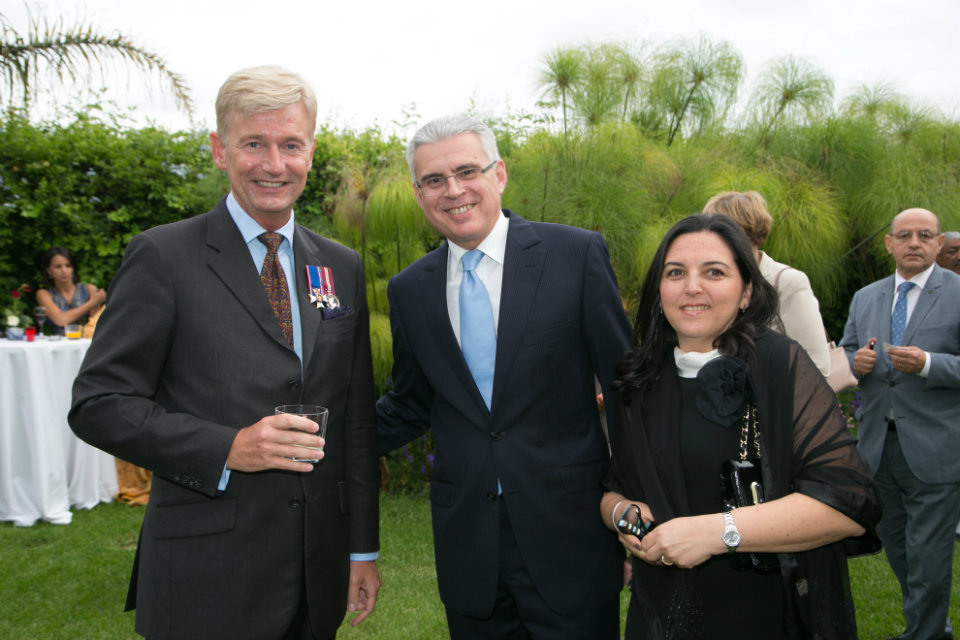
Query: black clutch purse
[{"x": 741, "y": 485}]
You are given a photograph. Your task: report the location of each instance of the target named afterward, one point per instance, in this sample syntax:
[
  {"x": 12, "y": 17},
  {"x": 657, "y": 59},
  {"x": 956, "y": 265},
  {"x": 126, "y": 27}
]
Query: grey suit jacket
[
  {"x": 561, "y": 322},
  {"x": 927, "y": 411},
  {"x": 187, "y": 352}
]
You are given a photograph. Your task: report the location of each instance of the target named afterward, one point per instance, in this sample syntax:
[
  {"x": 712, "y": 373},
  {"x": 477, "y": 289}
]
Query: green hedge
[
  {"x": 90, "y": 186},
  {"x": 832, "y": 186}
]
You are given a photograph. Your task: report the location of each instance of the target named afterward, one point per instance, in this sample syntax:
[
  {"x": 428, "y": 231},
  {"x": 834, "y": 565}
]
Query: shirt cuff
[
  {"x": 926, "y": 366},
  {"x": 224, "y": 479},
  {"x": 364, "y": 557}
]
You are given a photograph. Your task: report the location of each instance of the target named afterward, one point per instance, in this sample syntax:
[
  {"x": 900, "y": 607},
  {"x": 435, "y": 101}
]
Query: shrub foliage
[{"x": 627, "y": 168}]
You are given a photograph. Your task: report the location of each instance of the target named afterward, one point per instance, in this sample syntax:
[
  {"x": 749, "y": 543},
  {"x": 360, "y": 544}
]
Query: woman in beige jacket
[{"x": 799, "y": 310}]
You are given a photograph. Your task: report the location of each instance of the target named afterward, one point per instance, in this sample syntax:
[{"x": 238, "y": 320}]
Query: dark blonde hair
[
  {"x": 260, "y": 89},
  {"x": 748, "y": 209}
]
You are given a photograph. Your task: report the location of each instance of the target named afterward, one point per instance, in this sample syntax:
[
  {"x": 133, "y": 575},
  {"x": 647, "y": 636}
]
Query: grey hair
[
  {"x": 448, "y": 127},
  {"x": 260, "y": 89},
  {"x": 951, "y": 235}
]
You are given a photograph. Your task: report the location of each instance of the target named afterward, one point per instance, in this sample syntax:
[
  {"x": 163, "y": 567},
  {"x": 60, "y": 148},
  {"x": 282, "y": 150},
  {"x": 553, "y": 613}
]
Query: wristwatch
[{"x": 731, "y": 535}]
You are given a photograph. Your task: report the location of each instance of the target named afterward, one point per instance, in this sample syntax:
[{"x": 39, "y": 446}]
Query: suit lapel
[
  {"x": 884, "y": 311},
  {"x": 928, "y": 298},
  {"x": 235, "y": 268},
  {"x": 522, "y": 266},
  {"x": 305, "y": 252}
]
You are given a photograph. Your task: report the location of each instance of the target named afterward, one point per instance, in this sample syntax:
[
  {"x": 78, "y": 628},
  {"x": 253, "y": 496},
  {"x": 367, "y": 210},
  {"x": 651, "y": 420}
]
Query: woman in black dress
[{"x": 702, "y": 363}]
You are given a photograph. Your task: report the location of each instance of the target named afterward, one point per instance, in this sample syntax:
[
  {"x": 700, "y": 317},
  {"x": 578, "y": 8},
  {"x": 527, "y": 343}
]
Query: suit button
[
  {"x": 294, "y": 503},
  {"x": 293, "y": 385},
  {"x": 496, "y": 435},
  {"x": 492, "y": 495},
  {"x": 892, "y": 383}
]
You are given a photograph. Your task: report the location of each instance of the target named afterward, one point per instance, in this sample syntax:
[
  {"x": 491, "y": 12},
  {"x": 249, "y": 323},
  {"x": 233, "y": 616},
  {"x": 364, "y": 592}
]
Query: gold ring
[{"x": 666, "y": 562}]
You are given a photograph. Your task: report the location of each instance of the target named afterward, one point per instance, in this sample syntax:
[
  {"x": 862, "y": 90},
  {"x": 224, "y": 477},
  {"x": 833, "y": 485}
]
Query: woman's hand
[
  {"x": 97, "y": 296},
  {"x": 795, "y": 522},
  {"x": 683, "y": 542},
  {"x": 631, "y": 542}
]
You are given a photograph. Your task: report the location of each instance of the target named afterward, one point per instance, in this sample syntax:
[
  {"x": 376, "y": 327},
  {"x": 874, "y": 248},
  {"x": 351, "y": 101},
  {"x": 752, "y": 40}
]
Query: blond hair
[
  {"x": 748, "y": 209},
  {"x": 260, "y": 89}
]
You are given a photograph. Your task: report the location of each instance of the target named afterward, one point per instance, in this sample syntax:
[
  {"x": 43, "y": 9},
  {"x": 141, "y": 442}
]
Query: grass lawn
[{"x": 69, "y": 582}]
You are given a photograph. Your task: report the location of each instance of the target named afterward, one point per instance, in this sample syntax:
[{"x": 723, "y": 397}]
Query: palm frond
[
  {"x": 791, "y": 89},
  {"x": 65, "y": 51}
]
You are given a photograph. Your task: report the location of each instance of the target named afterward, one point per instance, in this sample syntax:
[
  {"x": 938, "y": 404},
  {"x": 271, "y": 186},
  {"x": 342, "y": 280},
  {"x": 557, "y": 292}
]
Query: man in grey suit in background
[
  {"x": 906, "y": 354},
  {"x": 949, "y": 257},
  {"x": 210, "y": 325}
]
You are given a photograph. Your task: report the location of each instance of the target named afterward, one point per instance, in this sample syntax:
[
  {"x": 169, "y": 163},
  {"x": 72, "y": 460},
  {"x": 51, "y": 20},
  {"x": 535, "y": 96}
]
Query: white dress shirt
[{"x": 489, "y": 270}]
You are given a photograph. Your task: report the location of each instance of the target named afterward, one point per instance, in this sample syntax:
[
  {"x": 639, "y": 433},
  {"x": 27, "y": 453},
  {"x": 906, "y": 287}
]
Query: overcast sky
[{"x": 370, "y": 60}]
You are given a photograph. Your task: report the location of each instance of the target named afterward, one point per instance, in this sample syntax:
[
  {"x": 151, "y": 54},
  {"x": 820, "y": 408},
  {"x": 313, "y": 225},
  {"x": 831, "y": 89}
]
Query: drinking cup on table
[
  {"x": 72, "y": 331},
  {"x": 314, "y": 412},
  {"x": 29, "y": 332}
]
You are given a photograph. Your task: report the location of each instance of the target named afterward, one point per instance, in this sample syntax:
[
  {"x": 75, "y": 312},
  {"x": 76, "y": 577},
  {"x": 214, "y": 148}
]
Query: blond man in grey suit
[{"x": 188, "y": 362}]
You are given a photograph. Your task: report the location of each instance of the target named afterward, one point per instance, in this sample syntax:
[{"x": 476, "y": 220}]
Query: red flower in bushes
[{"x": 13, "y": 314}]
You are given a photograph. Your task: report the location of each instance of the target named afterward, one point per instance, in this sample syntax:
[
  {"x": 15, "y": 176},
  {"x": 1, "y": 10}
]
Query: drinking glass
[
  {"x": 313, "y": 411},
  {"x": 40, "y": 315}
]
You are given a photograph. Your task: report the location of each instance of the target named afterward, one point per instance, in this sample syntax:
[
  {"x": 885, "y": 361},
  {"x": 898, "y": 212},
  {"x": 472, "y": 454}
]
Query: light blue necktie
[
  {"x": 478, "y": 336},
  {"x": 898, "y": 321}
]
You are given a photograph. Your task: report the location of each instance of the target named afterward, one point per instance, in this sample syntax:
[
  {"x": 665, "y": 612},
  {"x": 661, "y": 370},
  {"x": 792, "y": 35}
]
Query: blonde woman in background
[{"x": 799, "y": 310}]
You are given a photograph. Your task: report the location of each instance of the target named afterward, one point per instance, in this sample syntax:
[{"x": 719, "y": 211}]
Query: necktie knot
[
  {"x": 905, "y": 287},
  {"x": 271, "y": 240},
  {"x": 471, "y": 259}
]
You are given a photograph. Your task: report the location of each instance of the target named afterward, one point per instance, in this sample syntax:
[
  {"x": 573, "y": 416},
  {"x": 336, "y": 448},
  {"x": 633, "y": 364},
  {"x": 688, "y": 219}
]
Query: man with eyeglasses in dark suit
[{"x": 498, "y": 338}]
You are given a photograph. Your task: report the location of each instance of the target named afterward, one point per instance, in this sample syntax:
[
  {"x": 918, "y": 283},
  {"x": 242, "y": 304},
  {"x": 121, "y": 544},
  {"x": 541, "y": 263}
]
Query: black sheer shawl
[{"x": 806, "y": 447}]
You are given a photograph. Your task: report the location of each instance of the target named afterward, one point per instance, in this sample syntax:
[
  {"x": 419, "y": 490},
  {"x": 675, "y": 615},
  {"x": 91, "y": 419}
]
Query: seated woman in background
[
  {"x": 65, "y": 299},
  {"x": 799, "y": 311},
  {"x": 704, "y": 371}
]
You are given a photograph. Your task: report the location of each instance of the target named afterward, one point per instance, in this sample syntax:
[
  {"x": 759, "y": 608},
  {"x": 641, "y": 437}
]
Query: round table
[{"x": 44, "y": 468}]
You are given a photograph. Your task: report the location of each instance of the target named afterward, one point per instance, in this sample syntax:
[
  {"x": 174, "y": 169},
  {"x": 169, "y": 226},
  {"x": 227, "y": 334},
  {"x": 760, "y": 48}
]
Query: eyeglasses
[
  {"x": 435, "y": 184},
  {"x": 923, "y": 236},
  {"x": 631, "y": 524}
]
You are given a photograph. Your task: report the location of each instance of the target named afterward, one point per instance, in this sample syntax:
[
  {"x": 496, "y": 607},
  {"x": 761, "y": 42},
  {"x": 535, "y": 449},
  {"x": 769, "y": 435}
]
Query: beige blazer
[{"x": 799, "y": 309}]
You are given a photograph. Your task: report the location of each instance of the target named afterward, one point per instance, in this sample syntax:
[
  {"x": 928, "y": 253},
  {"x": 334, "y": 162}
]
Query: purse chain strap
[{"x": 749, "y": 421}]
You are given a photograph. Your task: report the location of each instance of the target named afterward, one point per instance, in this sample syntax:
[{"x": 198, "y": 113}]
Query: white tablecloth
[{"x": 44, "y": 468}]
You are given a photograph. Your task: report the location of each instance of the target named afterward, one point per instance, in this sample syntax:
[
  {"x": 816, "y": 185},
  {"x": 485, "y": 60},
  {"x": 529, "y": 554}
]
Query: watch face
[{"x": 731, "y": 538}]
